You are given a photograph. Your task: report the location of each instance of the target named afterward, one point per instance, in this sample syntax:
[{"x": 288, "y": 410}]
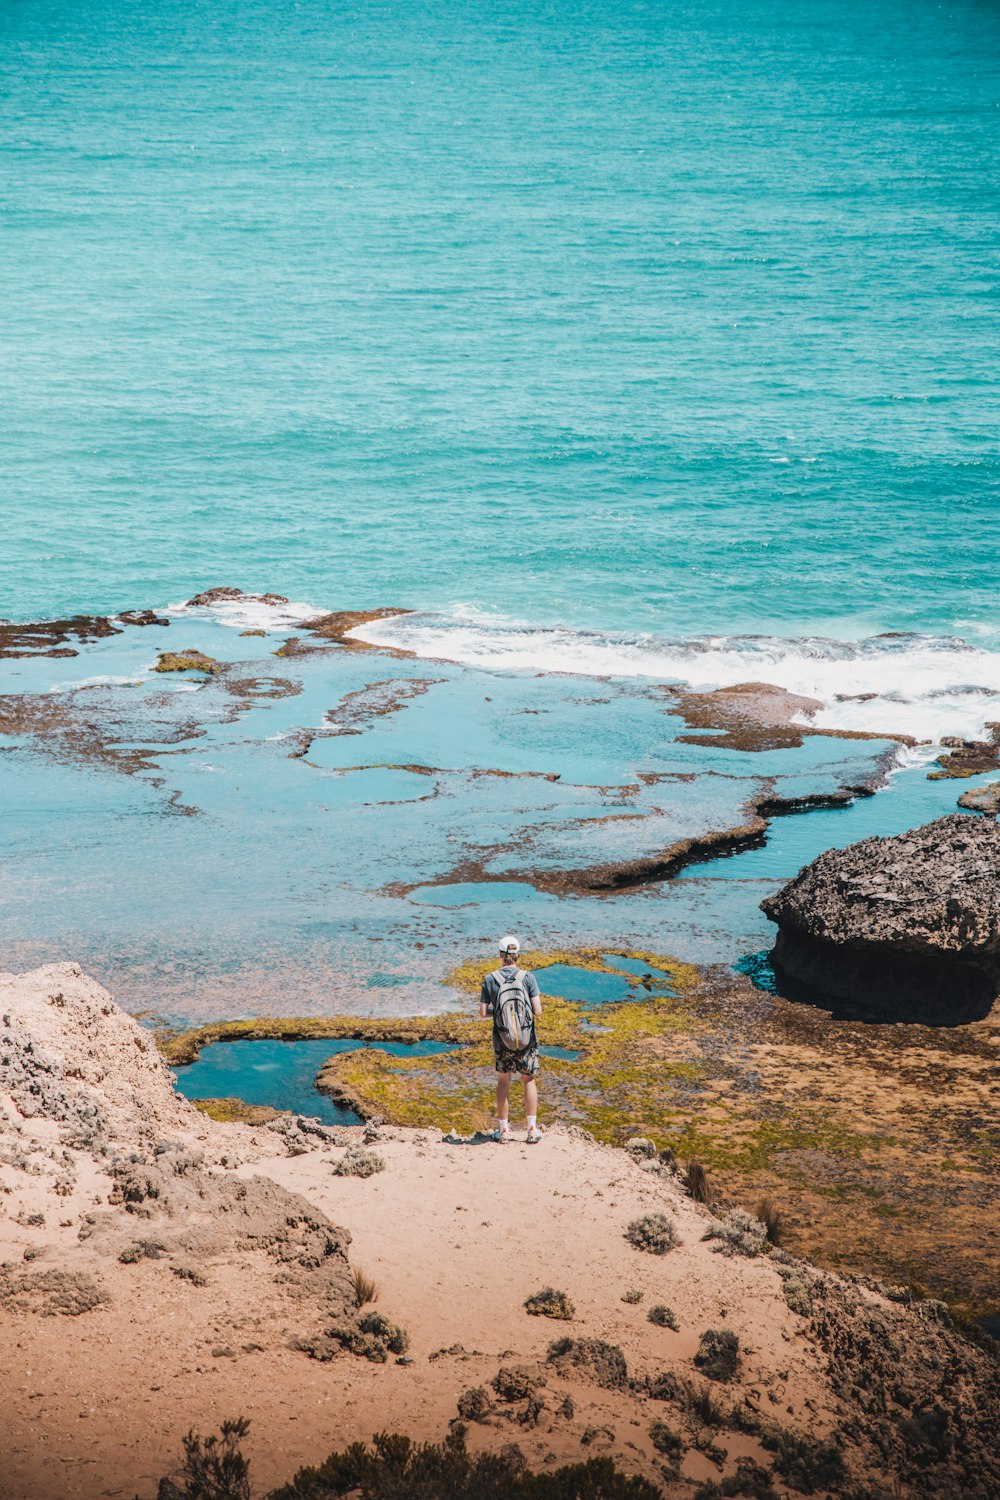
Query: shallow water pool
[{"x": 281, "y": 1074}]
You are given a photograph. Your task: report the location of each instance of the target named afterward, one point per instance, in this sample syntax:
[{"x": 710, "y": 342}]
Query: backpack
[{"x": 513, "y": 1015}]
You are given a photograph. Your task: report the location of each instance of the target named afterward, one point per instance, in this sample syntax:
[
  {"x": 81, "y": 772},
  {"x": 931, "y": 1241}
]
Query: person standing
[{"x": 511, "y": 996}]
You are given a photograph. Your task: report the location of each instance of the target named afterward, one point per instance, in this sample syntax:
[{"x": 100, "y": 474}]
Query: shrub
[
  {"x": 365, "y": 1289},
  {"x": 395, "y": 1468},
  {"x": 750, "y": 1480},
  {"x": 663, "y": 1317},
  {"x": 666, "y": 1440},
  {"x": 374, "y": 1338},
  {"x": 632, "y": 1296},
  {"x": 769, "y": 1214},
  {"x": 718, "y": 1354},
  {"x": 653, "y": 1233},
  {"x": 697, "y": 1183},
  {"x": 641, "y": 1148},
  {"x": 705, "y": 1408},
  {"x": 550, "y": 1304},
  {"x": 797, "y": 1292},
  {"x": 379, "y": 1326},
  {"x": 474, "y": 1405},
  {"x": 804, "y": 1465},
  {"x": 602, "y": 1363},
  {"x": 213, "y": 1467},
  {"x": 738, "y": 1233},
  {"x": 357, "y": 1162},
  {"x": 516, "y": 1382},
  {"x": 665, "y": 1387}
]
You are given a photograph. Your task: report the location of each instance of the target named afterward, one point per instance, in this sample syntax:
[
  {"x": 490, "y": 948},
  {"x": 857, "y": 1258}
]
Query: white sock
[
  {"x": 531, "y": 1122},
  {"x": 505, "y": 1124}
]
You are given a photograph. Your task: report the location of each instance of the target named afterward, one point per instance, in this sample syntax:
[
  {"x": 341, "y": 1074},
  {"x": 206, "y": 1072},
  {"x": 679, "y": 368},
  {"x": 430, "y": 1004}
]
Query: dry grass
[
  {"x": 773, "y": 1220},
  {"x": 696, "y": 1181},
  {"x": 365, "y": 1287}
]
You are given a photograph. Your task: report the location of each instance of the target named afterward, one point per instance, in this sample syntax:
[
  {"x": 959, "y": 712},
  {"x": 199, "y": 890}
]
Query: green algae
[{"x": 235, "y": 1112}]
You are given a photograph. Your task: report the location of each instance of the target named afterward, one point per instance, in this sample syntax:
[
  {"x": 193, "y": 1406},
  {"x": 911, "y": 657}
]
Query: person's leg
[
  {"x": 503, "y": 1101},
  {"x": 531, "y": 1106}
]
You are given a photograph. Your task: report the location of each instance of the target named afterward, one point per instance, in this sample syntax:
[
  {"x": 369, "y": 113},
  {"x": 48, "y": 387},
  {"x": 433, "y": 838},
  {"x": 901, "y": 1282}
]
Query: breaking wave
[{"x": 924, "y": 686}]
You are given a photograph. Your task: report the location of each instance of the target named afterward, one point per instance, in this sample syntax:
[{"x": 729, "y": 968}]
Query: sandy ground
[{"x": 455, "y": 1235}]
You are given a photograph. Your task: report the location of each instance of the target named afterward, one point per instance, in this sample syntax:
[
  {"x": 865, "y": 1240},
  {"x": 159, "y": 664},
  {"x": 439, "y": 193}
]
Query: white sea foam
[
  {"x": 924, "y": 686},
  {"x": 250, "y": 612}
]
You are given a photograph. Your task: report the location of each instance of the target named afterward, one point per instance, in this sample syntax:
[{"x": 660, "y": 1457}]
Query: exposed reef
[
  {"x": 52, "y": 637},
  {"x": 757, "y": 716},
  {"x": 968, "y": 757},
  {"x": 187, "y": 661},
  {"x": 982, "y": 799},
  {"x": 903, "y": 928},
  {"x": 327, "y": 630},
  {"x": 613, "y": 876}
]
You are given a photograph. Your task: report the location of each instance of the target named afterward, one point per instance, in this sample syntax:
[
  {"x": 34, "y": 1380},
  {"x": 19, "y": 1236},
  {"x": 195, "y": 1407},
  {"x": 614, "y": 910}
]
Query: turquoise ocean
[{"x": 626, "y": 346}]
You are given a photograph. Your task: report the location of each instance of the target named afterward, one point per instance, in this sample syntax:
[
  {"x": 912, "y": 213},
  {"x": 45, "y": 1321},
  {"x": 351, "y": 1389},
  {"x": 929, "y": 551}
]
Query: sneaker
[
  {"x": 503, "y": 1137},
  {"x": 533, "y": 1137}
]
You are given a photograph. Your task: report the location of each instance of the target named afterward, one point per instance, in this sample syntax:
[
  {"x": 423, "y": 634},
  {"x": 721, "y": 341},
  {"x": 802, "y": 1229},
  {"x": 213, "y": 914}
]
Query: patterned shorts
[{"x": 524, "y": 1062}]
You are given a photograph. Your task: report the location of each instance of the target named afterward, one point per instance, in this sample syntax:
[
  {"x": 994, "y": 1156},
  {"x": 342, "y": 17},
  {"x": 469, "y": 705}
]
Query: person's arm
[
  {"x": 485, "y": 999},
  {"x": 534, "y": 994}
]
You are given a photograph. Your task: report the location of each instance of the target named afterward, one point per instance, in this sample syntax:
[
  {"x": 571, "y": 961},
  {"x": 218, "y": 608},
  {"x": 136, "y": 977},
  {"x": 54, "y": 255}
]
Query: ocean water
[
  {"x": 687, "y": 309},
  {"x": 627, "y": 347}
]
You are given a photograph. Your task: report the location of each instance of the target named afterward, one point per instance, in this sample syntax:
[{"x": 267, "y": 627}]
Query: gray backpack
[{"x": 513, "y": 1015}]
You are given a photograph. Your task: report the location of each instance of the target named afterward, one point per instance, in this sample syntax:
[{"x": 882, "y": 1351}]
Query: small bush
[
  {"x": 357, "y": 1162},
  {"x": 632, "y": 1296},
  {"x": 602, "y": 1363},
  {"x": 797, "y": 1293},
  {"x": 749, "y": 1480},
  {"x": 718, "y": 1354},
  {"x": 374, "y": 1338},
  {"x": 516, "y": 1383},
  {"x": 653, "y": 1233},
  {"x": 738, "y": 1233},
  {"x": 804, "y": 1465},
  {"x": 379, "y": 1326},
  {"x": 141, "y": 1250},
  {"x": 663, "y": 1317},
  {"x": 665, "y": 1387},
  {"x": 365, "y": 1288},
  {"x": 641, "y": 1148},
  {"x": 769, "y": 1214},
  {"x": 696, "y": 1181},
  {"x": 704, "y": 1407},
  {"x": 666, "y": 1440},
  {"x": 550, "y": 1304},
  {"x": 213, "y": 1467},
  {"x": 474, "y": 1405}
]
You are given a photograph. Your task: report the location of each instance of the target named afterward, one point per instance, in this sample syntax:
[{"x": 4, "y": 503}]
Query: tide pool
[{"x": 279, "y": 1074}]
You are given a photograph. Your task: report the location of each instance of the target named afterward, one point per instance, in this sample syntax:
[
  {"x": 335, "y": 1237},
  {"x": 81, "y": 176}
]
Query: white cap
[{"x": 509, "y": 942}]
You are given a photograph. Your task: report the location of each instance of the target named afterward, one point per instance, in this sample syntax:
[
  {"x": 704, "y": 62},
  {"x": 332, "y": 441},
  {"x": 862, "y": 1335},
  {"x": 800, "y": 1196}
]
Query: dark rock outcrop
[{"x": 897, "y": 929}]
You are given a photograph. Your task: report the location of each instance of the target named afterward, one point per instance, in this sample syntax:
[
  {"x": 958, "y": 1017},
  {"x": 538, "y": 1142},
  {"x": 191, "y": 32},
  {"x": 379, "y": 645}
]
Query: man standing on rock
[{"x": 510, "y": 995}]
